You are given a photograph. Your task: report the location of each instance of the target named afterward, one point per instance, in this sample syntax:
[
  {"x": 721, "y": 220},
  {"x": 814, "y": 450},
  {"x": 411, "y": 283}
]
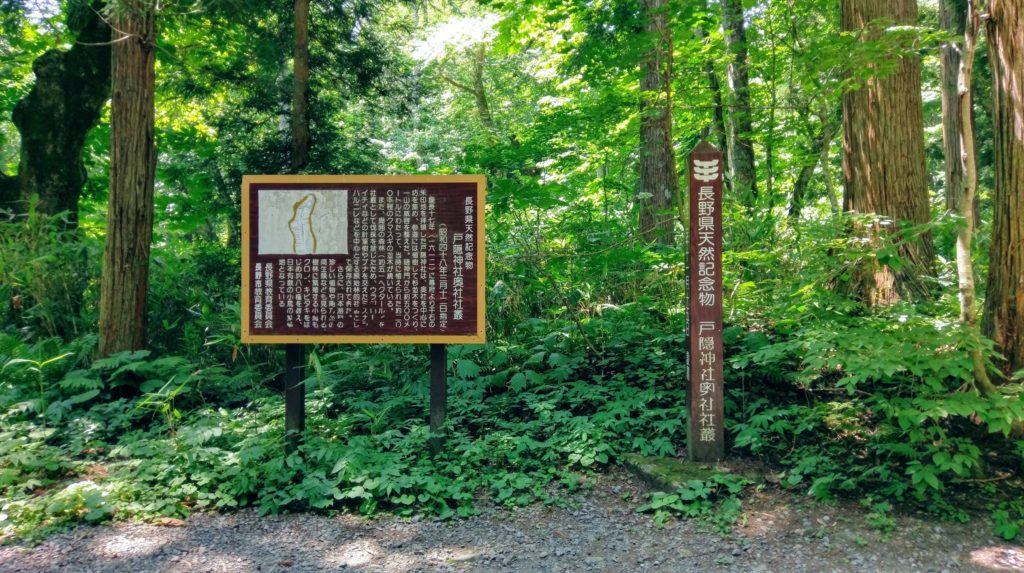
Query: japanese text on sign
[
  {"x": 363, "y": 259},
  {"x": 706, "y": 433}
]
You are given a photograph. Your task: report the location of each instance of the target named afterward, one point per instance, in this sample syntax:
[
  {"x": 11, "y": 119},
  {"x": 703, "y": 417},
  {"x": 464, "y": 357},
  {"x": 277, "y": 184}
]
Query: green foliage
[
  {"x": 587, "y": 352},
  {"x": 714, "y": 501},
  {"x": 44, "y": 269}
]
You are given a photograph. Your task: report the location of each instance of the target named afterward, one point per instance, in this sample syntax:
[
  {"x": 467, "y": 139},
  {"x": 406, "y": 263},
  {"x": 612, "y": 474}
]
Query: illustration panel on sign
[{"x": 302, "y": 222}]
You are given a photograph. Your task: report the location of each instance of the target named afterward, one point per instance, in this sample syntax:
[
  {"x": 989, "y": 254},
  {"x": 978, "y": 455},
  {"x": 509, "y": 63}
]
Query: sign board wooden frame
[{"x": 251, "y": 183}]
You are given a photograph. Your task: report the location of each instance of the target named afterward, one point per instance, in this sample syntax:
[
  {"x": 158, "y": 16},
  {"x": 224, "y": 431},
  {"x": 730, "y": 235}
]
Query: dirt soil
[{"x": 597, "y": 531}]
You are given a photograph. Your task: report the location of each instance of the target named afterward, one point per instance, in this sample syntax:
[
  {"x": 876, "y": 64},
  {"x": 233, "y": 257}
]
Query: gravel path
[{"x": 597, "y": 532}]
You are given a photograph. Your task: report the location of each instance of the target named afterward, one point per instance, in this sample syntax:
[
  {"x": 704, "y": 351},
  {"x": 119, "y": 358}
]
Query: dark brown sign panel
[
  {"x": 706, "y": 435},
  {"x": 342, "y": 259}
]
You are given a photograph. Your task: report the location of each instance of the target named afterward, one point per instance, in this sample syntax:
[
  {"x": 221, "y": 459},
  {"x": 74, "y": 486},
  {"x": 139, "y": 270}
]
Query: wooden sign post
[
  {"x": 705, "y": 435},
  {"x": 362, "y": 259}
]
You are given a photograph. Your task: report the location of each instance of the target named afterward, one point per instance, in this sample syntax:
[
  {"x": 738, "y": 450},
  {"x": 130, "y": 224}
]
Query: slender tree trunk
[
  {"x": 820, "y": 150},
  {"x": 883, "y": 160},
  {"x": 963, "y": 196},
  {"x": 773, "y": 103},
  {"x": 65, "y": 102},
  {"x": 721, "y": 131},
  {"x": 1003, "y": 320},
  {"x": 659, "y": 182},
  {"x": 300, "y": 92},
  {"x": 483, "y": 107},
  {"x": 826, "y": 166},
  {"x": 718, "y": 127},
  {"x": 741, "y": 148},
  {"x": 952, "y": 17},
  {"x": 132, "y": 167}
]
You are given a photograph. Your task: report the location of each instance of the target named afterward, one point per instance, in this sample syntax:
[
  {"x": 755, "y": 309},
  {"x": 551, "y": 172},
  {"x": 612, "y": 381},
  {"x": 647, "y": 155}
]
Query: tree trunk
[
  {"x": 883, "y": 160},
  {"x": 718, "y": 108},
  {"x": 952, "y": 17},
  {"x": 1003, "y": 320},
  {"x": 65, "y": 102},
  {"x": 8, "y": 192},
  {"x": 659, "y": 182},
  {"x": 300, "y": 94},
  {"x": 483, "y": 108},
  {"x": 820, "y": 155},
  {"x": 963, "y": 196},
  {"x": 132, "y": 168},
  {"x": 741, "y": 149}
]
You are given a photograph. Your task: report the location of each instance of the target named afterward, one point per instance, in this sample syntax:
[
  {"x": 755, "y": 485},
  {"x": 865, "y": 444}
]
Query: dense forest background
[{"x": 874, "y": 249}]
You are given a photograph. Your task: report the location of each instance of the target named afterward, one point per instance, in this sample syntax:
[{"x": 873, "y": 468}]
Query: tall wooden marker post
[
  {"x": 706, "y": 434},
  {"x": 331, "y": 259}
]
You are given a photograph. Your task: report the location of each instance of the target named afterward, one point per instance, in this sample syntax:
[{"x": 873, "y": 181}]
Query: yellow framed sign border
[{"x": 248, "y": 337}]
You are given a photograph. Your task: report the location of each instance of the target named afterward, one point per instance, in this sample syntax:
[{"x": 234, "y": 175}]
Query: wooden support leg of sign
[
  {"x": 294, "y": 396},
  {"x": 438, "y": 394}
]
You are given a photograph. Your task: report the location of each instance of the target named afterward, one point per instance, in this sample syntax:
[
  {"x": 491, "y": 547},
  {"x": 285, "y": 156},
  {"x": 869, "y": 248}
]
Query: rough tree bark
[
  {"x": 300, "y": 88},
  {"x": 883, "y": 160},
  {"x": 65, "y": 102},
  {"x": 742, "y": 170},
  {"x": 132, "y": 168},
  {"x": 1003, "y": 319},
  {"x": 659, "y": 182},
  {"x": 952, "y": 18}
]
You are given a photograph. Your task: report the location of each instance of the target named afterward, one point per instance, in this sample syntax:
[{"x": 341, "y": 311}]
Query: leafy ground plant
[{"x": 715, "y": 501}]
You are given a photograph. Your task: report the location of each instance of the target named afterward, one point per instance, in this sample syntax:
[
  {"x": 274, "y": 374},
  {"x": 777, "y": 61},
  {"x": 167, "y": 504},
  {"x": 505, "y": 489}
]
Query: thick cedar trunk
[
  {"x": 742, "y": 171},
  {"x": 883, "y": 160},
  {"x": 659, "y": 183},
  {"x": 300, "y": 93},
  {"x": 1003, "y": 319},
  {"x": 132, "y": 168},
  {"x": 66, "y": 100},
  {"x": 952, "y": 17}
]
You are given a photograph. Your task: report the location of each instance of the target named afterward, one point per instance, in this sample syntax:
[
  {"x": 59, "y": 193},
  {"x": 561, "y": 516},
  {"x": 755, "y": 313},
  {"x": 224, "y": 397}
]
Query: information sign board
[{"x": 368, "y": 258}]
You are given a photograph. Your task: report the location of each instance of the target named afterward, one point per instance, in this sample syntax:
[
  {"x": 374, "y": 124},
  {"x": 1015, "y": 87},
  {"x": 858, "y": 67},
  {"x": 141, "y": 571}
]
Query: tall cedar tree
[
  {"x": 1003, "y": 320},
  {"x": 132, "y": 168},
  {"x": 300, "y": 94},
  {"x": 65, "y": 102},
  {"x": 741, "y": 148},
  {"x": 659, "y": 182},
  {"x": 883, "y": 160}
]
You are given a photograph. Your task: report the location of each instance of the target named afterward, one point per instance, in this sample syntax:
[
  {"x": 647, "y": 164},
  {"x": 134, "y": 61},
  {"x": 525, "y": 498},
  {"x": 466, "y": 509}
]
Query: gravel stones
[{"x": 596, "y": 532}]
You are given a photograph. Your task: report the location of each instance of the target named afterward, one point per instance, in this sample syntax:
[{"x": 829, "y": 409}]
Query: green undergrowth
[
  {"x": 715, "y": 501},
  {"x": 875, "y": 407},
  {"x": 525, "y": 424}
]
